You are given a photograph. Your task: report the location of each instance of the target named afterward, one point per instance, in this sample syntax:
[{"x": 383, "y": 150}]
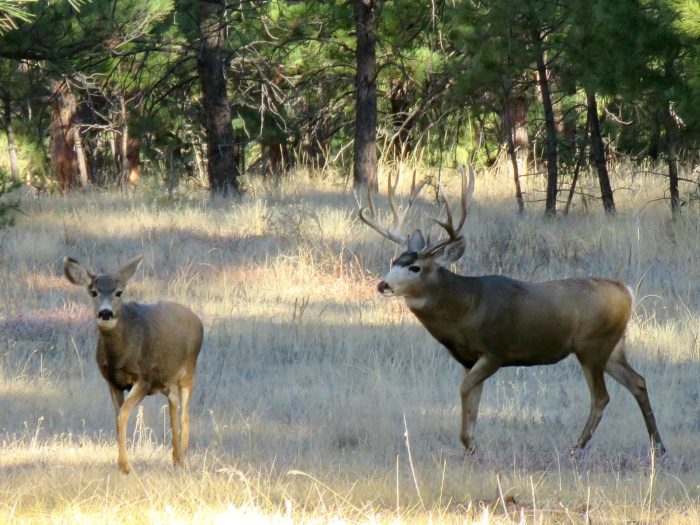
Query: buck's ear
[
  {"x": 76, "y": 272},
  {"x": 416, "y": 242},
  {"x": 129, "y": 269},
  {"x": 452, "y": 252}
]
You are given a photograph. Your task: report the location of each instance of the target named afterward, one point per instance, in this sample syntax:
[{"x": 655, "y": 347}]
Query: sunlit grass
[{"x": 312, "y": 389}]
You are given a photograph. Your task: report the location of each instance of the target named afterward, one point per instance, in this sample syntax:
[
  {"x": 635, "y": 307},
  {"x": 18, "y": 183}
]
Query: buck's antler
[
  {"x": 393, "y": 234},
  {"x": 452, "y": 231}
]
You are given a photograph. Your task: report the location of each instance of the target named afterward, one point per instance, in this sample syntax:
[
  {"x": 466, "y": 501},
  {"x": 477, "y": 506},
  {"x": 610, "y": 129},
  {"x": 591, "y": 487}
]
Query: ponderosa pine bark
[
  {"x": 598, "y": 151},
  {"x": 515, "y": 120},
  {"x": 64, "y": 160},
  {"x": 365, "y": 146},
  {"x": 672, "y": 141},
  {"x": 550, "y": 125},
  {"x": 221, "y": 165}
]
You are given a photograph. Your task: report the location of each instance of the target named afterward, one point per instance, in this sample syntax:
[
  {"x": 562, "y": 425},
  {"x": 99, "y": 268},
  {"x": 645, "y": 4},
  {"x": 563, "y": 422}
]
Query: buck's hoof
[
  {"x": 657, "y": 450},
  {"x": 577, "y": 453},
  {"x": 469, "y": 447},
  {"x": 124, "y": 469}
]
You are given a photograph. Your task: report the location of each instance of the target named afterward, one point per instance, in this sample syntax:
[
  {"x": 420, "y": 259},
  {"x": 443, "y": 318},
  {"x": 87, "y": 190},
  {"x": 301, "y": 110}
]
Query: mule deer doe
[
  {"x": 143, "y": 348},
  {"x": 492, "y": 321}
]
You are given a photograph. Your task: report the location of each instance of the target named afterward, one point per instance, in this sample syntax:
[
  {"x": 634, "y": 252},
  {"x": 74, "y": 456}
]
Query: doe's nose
[
  {"x": 382, "y": 287},
  {"x": 105, "y": 315}
]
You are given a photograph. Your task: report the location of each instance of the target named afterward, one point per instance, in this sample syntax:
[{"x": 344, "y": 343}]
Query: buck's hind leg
[
  {"x": 595, "y": 379},
  {"x": 185, "y": 393},
  {"x": 174, "y": 408},
  {"x": 619, "y": 369}
]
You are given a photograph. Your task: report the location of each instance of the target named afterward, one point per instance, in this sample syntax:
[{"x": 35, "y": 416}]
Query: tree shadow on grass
[{"x": 293, "y": 392}]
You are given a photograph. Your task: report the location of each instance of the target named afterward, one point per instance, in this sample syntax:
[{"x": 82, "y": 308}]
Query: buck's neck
[{"x": 447, "y": 296}]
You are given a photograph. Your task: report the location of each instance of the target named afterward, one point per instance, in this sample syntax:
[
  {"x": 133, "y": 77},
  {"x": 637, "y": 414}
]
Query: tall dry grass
[{"x": 318, "y": 400}]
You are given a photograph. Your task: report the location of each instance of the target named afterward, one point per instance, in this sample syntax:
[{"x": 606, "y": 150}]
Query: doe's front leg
[{"x": 137, "y": 393}]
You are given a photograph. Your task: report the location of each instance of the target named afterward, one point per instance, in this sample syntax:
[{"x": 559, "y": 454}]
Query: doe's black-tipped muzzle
[
  {"x": 383, "y": 287},
  {"x": 105, "y": 315}
]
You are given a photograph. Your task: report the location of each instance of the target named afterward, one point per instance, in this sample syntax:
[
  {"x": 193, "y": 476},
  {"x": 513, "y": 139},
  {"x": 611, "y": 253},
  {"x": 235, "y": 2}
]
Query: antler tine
[
  {"x": 391, "y": 192},
  {"x": 448, "y": 225},
  {"x": 379, "y": 229},
  {"x": 372, "y": 223},
  {"x": 412, "y": 196},
  {"x": 467, "y": 193},
  {"x": 398, "y": 218}
]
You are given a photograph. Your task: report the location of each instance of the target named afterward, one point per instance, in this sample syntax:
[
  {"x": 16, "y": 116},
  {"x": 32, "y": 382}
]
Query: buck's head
[
  {"x": 105, "y": 289},
  {"x": 413, "y": 272},
  {"x": 416, "y": 268}
]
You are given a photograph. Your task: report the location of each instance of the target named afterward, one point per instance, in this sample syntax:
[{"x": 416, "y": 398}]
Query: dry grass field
[{"x": 319, "y": 401}]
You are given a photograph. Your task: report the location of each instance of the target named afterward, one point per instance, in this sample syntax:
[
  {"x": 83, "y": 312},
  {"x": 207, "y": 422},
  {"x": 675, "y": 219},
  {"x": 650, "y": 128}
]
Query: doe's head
[
  {"x": 105, "y": 289},
  {"x": 413, "y": 271}
]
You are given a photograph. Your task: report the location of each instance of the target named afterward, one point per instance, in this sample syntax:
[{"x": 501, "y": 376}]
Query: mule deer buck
[
  {"x": 493, "y": 321},
  {"x": 142, "y": 348}
]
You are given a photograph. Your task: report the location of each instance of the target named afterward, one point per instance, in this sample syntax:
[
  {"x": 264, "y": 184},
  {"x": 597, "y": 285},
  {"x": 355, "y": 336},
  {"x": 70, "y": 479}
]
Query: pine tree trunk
[
  {"x": 512, "y": 136},
  {"x": 10, "y": 132},
  {"x": 365, "y": 147},
  {"x": 221, "y": 165},
  {"x": 64, "y": 161},
  {"x": 80, "y": 153},
  {"x": 672, "y": 141},
  {"x": 550, "y": 125},
  {"x": 598, "y": 150},
  {"x": 124, "y": 142}
]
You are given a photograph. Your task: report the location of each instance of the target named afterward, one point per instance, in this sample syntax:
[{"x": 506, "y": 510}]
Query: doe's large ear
[
  {"x": 76, "y": 272},
  {"x": 129, "y": 269},
  {"x": 452, "y": 252},
  {"x": 416, "y": 242}
]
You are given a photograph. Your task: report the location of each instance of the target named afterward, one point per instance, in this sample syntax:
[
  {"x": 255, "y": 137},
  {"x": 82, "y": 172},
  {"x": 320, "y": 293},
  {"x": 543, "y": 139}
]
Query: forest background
[{"x": 230, "y": 142}]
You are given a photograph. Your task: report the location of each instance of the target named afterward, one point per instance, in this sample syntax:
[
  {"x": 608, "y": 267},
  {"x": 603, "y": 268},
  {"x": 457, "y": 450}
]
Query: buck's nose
[
  {"x": 105, "y": 315},
  {"x": 383, "y": 287}
]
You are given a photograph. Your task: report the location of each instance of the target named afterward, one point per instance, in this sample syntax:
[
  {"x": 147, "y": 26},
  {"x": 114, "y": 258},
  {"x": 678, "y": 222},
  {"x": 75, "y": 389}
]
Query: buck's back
[
  {"x": 524, "y": 323},
  {"x": 542, "y": 323}
]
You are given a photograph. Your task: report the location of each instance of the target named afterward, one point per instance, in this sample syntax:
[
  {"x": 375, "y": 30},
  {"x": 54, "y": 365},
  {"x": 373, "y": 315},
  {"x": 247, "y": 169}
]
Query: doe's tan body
[{"x": 143, "y": 349}]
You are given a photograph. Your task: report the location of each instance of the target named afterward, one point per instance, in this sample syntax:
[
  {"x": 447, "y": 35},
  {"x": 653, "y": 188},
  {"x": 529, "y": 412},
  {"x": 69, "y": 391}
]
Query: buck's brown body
[
  {"x": 143, "y": 349},
  {"x": 520, "y": 323},
  {"x": 493, "y": 321}
]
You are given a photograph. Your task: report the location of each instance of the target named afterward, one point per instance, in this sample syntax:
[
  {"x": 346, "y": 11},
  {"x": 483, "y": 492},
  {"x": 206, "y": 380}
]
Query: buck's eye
[
  {"x": 93, "y": 293},
  {"x": 118, "y": 293},
  {"x": 414, "y": 269}
]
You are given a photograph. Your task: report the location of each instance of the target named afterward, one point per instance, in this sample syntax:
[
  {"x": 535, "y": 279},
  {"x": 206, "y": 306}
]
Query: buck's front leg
[
  {"x": 137, "y": 393},
  {"x": 470, "y": 392},
  {"x": 470, "y": 410}
]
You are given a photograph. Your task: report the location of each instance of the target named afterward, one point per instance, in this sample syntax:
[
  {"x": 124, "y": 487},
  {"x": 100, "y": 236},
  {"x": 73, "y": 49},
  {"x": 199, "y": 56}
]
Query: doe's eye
[
  {"x": 93, "y": 293},
  {"x": 118, "y": 293},
  {"x": 414, "y": 269}
]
